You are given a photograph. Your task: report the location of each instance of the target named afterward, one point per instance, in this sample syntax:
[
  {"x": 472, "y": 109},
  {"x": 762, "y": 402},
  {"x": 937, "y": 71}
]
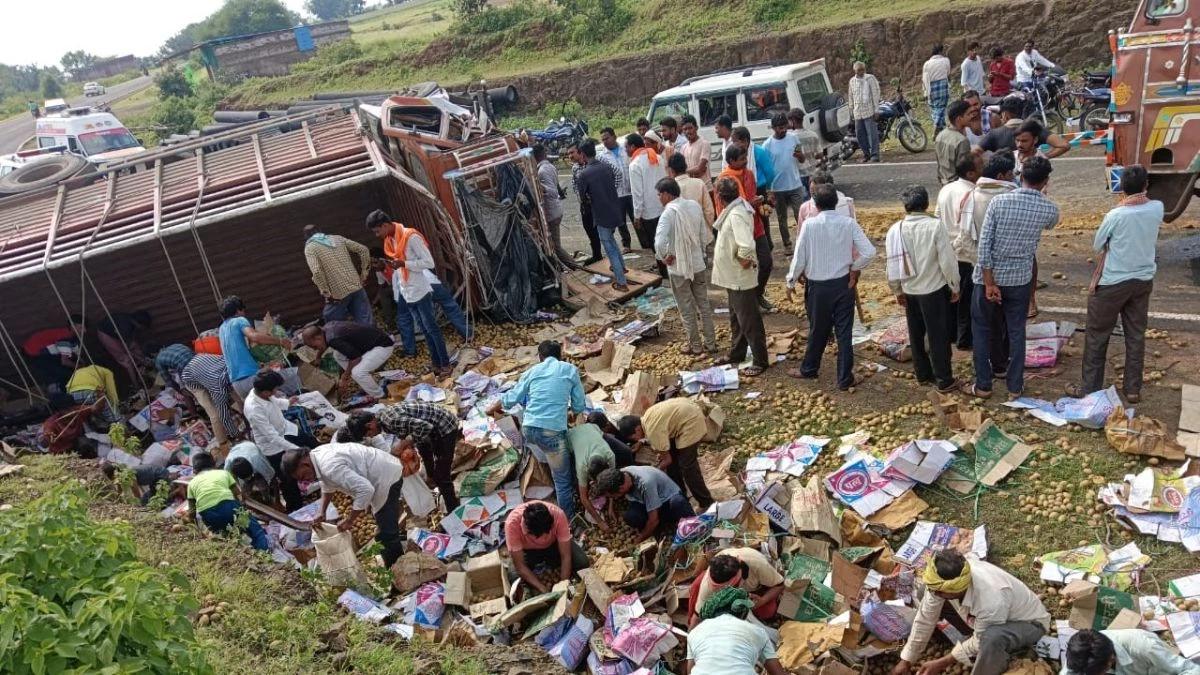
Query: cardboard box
[
  {"x": 486, "y": 576},
  {"x": 458, "y": 589},
  {"x": 775, "y": 501}
]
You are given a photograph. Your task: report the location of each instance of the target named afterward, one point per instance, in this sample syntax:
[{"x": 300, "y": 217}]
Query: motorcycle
[
  {"x": 558, "y": 135},
  {"x": 1041, "y": 99},
  {"x": 896, "y": 115},
  {"x": 1093, "y": 116}
]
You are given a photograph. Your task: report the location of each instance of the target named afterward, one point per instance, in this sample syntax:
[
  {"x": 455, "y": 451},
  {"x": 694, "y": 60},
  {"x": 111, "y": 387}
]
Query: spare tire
[
  {"x": 831, "y": 130},
  {"x": 43, "y": 173}
]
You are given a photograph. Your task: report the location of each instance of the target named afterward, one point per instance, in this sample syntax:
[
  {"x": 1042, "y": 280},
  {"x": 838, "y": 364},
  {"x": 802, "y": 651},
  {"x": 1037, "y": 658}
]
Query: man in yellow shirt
[
  {"x": 743, "y": 568},
  {"x": 90, "y": 384},
  {"x": 673, "y": 429}
]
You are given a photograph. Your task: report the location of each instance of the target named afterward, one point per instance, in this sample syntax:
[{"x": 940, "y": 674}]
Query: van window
[
  {"x": 99, "y": 142},
  {"x": 47, "y": 142},
  {"x": 713, "y": 106},
  {"x": 812, "y": 89},
  {"x": 672, "y": 107},
  {"x": 763, "y": 102}
]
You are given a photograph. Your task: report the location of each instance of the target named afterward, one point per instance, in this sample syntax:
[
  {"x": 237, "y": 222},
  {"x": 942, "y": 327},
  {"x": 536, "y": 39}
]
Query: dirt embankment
[{"x": 1070, "y": 32}]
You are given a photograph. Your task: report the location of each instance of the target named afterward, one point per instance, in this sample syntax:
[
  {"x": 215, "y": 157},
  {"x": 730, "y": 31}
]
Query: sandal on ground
[
  {"x": 722, "y": 361},
  {"x": 1032, "y": 313},
  {"x": 1014, "y": 395},
  {"x": 752, "y": 371},
  {"x": 951, "y": 388},
  {"x": 1075, "y": 391},
  {"x": 854, "y": 382},
  {"x": 799, "y": 374},
  {"x": 691, "y": 351},
  {"x": 970, "y": 389},
  {"x": 619, "y": 287}
]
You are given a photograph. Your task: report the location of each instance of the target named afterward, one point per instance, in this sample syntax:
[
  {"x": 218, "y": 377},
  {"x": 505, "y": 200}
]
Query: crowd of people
[{"x": 962, "y": 265}]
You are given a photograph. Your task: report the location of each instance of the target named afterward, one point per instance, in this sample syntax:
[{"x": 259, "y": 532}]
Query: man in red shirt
[
  {"x": 537, "y": 532},
  {"x": 52, "y": 352},
  {"x": 1001, "y": 73}
]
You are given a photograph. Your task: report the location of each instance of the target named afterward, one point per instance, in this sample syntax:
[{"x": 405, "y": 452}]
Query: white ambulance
[{"x": 98, "y": 137}]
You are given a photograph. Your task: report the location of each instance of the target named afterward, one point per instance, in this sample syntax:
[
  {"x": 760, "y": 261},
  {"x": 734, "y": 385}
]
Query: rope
[
  {"x": 124, "y": 345},
  {"x": 21, "y": 367},
  {"x": 204, "y": 261},
  {"x": 179, "y": 285}
]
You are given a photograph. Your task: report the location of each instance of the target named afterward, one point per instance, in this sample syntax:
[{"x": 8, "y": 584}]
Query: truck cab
[
  {"x": 751, "y": 95},
  {"x": 99, "y": 137},
  {"x": 1155, "y": 105}
]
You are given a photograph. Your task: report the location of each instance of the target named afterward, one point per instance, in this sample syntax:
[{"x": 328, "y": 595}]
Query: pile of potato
[
  {"x": 212, "y": 612},
  {"x": 364, "y": 529}
]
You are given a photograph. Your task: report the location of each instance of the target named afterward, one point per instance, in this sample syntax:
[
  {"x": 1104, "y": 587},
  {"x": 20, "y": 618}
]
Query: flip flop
[
  {"x": 619, "y": 287},
  {"x": 857, "y": 380},
  {"x": 950, "y": 389},
  {"x": 1032, "y": 313},
  {"x": 723, "y": 361},
  {"x": 753, "y": 371},
  {"x": 1075, "y": 391}
]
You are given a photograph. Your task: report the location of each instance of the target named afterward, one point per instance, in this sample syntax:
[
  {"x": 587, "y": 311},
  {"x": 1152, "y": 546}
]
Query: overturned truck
[{"x": 184, "y": 226}]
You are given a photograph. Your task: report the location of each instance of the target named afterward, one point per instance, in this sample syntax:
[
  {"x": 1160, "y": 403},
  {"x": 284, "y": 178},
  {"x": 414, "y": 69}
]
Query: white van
[
  {"x": 751, "y": 96},
  {"x": 99, "y": 137},
  {"x": 54, "y": 106}
]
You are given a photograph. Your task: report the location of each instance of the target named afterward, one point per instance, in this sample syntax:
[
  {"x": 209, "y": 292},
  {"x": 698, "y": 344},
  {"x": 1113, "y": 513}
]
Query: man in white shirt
[
  {"x": 1027, "y": 60},
  {"x": 923, "y": 274},
  {"x": 935, "y": 78},
  {"x": 1123, "y": 652},
  {"x": 551, "y": 202},
  {"x": 272, "y": 432},
  {"x": 371, "y": 477},
  {"x": 972, "y": 70},
  {"x": 1007, "y": 617},
  {"x": 673, "y": 142},
  {"x": 825, "y": 256},
  {"x": 951, "y": 199},
  {"x": 864, "y": 110},
  {"x": 691, "y": 188},
  {"x": 680, "y": 243},
  {"x": 410, "y": 257},
  {"x": 646, "y": 168},
  {"x": 808, "y": 147}
]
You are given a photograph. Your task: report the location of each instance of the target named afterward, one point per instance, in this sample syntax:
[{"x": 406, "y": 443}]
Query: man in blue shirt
[
  {"x": 1126, "y": 241},
  {"x": 787, "y": 191},
  {"x": 547, "y": 391},
  {"x": 236, "y": 335}
]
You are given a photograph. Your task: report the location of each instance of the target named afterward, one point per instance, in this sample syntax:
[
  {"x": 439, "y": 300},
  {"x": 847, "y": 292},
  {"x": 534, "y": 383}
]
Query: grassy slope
[
  {"x": 276, "y": 617},
  {"x": 657, "y": 25}
]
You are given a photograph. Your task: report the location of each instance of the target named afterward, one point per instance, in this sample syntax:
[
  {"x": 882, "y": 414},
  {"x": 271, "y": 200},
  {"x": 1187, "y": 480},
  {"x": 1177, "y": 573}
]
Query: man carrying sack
[{"x": 1008, "y": 618}]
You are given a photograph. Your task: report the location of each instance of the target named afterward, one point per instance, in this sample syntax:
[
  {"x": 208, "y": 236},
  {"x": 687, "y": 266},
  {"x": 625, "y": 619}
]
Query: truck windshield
[
  {"x": 1159, "y": 9},
  {"x": 99, "y": 142}
]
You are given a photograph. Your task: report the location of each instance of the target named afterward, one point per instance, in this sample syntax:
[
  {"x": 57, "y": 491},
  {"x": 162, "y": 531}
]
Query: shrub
[
  {"x": 76, "y": 599},
  {"x": 173, "y": 83},
  {"x": 594, "y": 21},
  {"x": 772, "y": 11},
  {"x": 466, "y": 9},
  {"x": 498, "y": 19},
  {"x": 174, "y": 116},
  {"x": 859, "y": 52},
  {"x": 330, "y": 55}
]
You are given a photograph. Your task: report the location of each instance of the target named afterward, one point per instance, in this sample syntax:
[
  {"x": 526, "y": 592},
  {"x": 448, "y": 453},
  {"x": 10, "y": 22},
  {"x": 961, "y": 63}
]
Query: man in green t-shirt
[
  {"x": 592, "y": 455},
  {"x": 213, "y": 498}
]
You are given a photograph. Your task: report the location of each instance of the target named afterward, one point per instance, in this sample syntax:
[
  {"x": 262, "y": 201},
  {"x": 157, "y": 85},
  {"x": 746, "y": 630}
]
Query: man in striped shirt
[
  {"x": 207, "y": 379},
  {"x": 435, "y": 432}
]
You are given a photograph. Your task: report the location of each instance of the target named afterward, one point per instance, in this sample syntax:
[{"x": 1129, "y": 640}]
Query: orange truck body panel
[{"x": 1155, "y": 102}]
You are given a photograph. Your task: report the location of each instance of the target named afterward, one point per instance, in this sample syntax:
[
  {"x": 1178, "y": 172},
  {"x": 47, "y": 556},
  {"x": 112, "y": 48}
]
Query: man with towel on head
[{"x": 1007, "y": 618}]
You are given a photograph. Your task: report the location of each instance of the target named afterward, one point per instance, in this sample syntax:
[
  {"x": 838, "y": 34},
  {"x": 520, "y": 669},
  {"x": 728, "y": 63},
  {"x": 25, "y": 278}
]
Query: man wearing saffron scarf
[
  {"x": 736, "y": 169},
  {"x": 1122, "y": 285},
  {"x": 646, "y": 168},
  {"x": 1006, "y": 617}
]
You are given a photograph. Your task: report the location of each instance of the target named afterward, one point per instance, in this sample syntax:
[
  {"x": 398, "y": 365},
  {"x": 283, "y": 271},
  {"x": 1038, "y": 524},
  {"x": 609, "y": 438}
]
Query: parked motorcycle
[
  {"x": 1041, "y": 99},
  {"x": 1093, "y": 116},
  {"x": 558, "y": 135},
  {"x": 896, "y": 116}
]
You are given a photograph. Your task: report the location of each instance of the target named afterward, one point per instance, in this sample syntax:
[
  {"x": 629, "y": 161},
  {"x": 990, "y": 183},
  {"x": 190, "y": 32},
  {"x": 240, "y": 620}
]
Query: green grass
[
  {"x": 275, "y": 618},
  {"x": 658, "y": 25},
  {"x": 414, "y": 20}
]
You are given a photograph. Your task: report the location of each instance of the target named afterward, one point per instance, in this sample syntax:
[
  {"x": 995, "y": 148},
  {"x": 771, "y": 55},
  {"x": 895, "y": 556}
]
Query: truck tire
[
  {"x": 42, "y": 174},
  {"x": 831, "y": 131}
]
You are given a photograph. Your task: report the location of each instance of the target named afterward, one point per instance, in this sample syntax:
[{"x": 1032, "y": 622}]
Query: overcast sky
[{"x": 41, "y": 34}]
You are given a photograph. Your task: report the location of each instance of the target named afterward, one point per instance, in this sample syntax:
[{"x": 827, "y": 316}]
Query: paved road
[{"x": 15, "y": 131}]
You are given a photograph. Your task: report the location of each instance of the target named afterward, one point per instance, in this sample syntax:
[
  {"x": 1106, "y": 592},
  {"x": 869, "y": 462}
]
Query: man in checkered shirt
[
  {"x": 434, "y": 431},
  {"x": 1003, "y": 278}
]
